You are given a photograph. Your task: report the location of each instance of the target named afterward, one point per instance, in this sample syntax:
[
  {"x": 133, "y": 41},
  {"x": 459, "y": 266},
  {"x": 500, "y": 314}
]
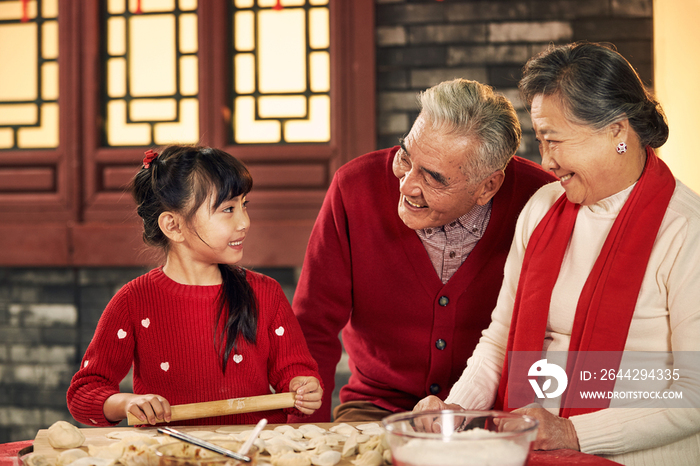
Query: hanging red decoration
[
  {"x": 138, "y": 10},
  {"x": 278, "y": 5},
  {"x": 25, "y": 11}
]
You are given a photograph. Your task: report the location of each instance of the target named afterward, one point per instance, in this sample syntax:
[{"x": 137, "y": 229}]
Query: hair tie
[{"x": 150, "y": 157}]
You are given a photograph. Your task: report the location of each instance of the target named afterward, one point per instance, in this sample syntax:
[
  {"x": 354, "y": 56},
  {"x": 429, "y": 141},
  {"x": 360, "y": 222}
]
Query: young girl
[{"x": 197, "y": 328}]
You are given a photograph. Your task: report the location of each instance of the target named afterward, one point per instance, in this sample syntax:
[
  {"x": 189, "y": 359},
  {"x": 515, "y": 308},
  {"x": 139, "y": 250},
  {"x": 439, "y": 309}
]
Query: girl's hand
[
  {"x": 149, "y": 408},
  {"x": 308, "y": 393}
]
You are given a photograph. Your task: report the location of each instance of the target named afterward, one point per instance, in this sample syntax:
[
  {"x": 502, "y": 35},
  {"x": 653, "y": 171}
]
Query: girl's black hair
[{"x": 180, "y": 180}]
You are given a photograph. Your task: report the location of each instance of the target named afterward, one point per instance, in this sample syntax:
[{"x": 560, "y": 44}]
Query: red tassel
[
  {"x": 138, "y": 7},
  {"x": 25, "y": 11},
  {"x": 278, "y": 5}
]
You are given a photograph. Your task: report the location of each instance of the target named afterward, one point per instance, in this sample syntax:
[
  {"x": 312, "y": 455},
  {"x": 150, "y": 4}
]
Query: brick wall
[
  {"x": 47, "y": 316},
  {"x": 421, "y": 43}
]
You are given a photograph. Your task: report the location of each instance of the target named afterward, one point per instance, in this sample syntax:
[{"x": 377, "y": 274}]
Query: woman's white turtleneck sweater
[{"x": 666, "y": 319}]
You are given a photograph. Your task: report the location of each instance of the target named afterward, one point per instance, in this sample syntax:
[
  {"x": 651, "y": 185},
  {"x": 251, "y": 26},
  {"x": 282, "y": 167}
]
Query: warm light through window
[
  {"x": 152, "y": 83},
  {"x": 281, "y": 74},
  {"x": 29, "y": 75}
]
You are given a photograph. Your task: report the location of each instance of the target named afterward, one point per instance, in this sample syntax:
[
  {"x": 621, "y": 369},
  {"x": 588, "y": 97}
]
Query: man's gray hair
[{"x": 474, "y": 110}]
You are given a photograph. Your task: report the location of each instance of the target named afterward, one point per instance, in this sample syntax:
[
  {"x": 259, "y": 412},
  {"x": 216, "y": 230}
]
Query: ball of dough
[{"x": 65, "y": 435}]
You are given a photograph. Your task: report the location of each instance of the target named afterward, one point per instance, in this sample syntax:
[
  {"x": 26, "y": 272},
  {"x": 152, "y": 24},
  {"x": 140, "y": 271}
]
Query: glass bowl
[
  {"x": 459, "y": 438},
  {"x": 184, "y": 454}
]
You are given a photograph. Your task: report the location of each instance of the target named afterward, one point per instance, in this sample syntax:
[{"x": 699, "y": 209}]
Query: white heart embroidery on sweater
[
  {"x": 86, "y": 363},
  {"x": 237, "y": 358},
  {"x": 146, "y": 322},
  {"x": 279, "y": 331},
  {"x": 121, "y": 334},
  {"x": 93, "y": 421},
  {"x": 165, "y": 366}
]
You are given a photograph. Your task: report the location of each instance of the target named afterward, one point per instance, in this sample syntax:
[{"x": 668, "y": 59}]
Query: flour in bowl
[{"x": 483, "y": 448}]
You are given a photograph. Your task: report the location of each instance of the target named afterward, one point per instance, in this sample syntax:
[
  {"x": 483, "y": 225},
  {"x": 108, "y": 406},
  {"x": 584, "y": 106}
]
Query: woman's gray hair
[
  {"x": 474, "y": 110},
  {"x": 598, "y": 87}
]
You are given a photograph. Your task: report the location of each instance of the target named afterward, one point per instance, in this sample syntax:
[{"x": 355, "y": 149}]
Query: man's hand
[
  {"x": 432, "y": 403},
  {"x": 308, "y": 394},
  {"x": 554, "y": 432}
]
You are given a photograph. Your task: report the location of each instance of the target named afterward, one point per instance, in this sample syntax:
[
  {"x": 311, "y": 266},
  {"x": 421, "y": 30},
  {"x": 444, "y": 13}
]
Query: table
[{"x": 9, "y": 452}]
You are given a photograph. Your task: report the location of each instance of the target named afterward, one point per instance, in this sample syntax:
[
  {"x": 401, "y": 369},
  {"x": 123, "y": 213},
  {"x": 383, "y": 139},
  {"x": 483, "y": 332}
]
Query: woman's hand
[
  {"x": 308, "y": 393},
  {"x": 554, "y": 432},
  {"x": 149, "y": 408}
]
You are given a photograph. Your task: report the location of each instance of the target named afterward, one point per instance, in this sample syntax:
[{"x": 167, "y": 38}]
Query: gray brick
[
  {"x": 59, "y": 336},
  {"x": 530, "y": 32},
  {"x": 388, "y": 140},
  {"x": 393, "y": 101},
  {"x": 569, "y": 9},
  {"x": 42, "y": 354},
  {"x": 26, "y": 335},
  {"x": 410, "y": 13},
  {"x": 57, "y": 294},
  {"x": 11, "y": 416},
  {"x": 392, "y": 123},
  {"x": 28, "y": 276},
  {"x": 391, "y": 35},
  {"x": 43, "y": 315},
  {"x": 31, "y": 397},
  {"x": 410, "y": 57},
  {"x": 487, "y": 54},
  {"x": 487, "y": 10},
  {"x": 19, "y": 433},
  {"x": 504, "y": 76},
  {"x": 447, "y": 34},
  {"x": 24, "y": 294},
  {"x": 525, "y": 120},
  {"x": 42, "y": 375},
  {"x": 636, "y": 8},
  {"x": 49, "y": 416},
  {"x": 3, "y": 355},
  {"x": 512, "y": 94},
  {"x": 613, "y": 30},
  {"x": 109, "y": 276},
  {"x": 422, "y": 79},
  {"x": 396, "y": 79},
  {"x": 637, "y": 51}
]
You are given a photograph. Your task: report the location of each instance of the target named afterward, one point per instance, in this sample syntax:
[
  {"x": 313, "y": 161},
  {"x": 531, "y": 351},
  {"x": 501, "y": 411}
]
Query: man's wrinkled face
[{"x": 435, "y": 189}]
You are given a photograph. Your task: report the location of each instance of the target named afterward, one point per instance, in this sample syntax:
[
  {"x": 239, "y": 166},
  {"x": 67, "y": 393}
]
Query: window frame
[{"x": 83, "y": 224}]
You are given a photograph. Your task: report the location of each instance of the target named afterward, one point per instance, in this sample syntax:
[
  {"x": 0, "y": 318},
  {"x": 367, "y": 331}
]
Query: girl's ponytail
[{"x": 238, "y": 310}]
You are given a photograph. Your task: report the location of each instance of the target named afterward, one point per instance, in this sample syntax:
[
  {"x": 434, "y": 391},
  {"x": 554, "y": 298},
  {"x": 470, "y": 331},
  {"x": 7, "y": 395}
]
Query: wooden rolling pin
[{"x": 224, "y": 407}]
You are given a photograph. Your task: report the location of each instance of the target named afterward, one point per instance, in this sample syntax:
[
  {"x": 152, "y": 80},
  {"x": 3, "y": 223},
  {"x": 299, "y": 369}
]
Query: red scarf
[{"x": 607, "y": 301}]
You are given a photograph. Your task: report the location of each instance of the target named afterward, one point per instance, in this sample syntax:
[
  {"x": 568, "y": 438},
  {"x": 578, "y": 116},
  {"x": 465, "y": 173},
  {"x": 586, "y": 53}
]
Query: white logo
[{"x": 542, "y": 369}]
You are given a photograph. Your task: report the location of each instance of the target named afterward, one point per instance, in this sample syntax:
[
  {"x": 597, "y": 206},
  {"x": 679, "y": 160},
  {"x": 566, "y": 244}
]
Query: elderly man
[{"x": 413, "y": 287}]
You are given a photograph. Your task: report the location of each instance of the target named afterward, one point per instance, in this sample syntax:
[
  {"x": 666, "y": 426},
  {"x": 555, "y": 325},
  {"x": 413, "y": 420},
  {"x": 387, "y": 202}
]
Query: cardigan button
[
  {"x": 444, "y": 301},
  {"x": 435, "y": 389},
  {"x": 440, "y": 344}
]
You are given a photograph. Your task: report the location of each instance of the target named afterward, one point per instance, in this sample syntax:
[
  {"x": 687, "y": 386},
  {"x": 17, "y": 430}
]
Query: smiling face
[
  {"x": 431, "y": 168},
  {"x": 215, "y": 235},
  {"x": 583, "y": 158}
]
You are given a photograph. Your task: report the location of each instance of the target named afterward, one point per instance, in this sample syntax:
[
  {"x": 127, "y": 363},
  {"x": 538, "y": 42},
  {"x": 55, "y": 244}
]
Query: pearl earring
[{"x": 621, "y": 148}]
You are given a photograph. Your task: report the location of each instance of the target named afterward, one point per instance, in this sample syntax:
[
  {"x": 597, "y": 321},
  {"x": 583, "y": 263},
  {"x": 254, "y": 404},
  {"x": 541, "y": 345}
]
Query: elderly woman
[{"x": 605, "y": 260}]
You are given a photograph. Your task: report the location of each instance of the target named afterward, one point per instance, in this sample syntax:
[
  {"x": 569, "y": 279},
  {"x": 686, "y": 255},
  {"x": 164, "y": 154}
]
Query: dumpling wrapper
[{"x": 68, "y": 456}]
